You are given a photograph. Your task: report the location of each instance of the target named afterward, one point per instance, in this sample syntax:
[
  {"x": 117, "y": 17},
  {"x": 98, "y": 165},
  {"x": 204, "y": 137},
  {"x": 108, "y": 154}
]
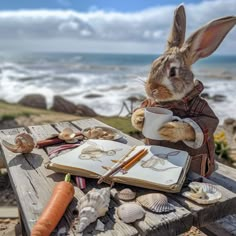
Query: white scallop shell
[
  {"x": 126, "y": 194},
  {"x": 67, "y": 134},
  {"x": 203, "y": 193},
  {"x": 93, "y": 205},
  {"x": 155, "y": 202},
  {"x": 24, "y": 143},
  {"x": 130, "y": 212}
]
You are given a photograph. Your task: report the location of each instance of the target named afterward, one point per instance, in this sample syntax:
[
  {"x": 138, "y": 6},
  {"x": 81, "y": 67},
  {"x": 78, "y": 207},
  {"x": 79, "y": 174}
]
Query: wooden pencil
[
  {"x": 119, "y": 165},
  {"x": 135, "y": 160}
]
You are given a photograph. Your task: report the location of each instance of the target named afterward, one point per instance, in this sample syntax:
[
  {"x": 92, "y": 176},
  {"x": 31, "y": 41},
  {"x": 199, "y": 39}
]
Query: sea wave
[{"x": 104, "y": 88}]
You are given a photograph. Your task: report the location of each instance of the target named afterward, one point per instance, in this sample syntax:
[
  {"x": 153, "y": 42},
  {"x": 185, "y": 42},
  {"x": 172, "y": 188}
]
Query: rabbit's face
[{"x": 170, "y": 77}]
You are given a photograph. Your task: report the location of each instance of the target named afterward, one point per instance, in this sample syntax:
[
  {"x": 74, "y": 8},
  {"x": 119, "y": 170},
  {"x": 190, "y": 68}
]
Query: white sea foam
[{"x": 75, "y": 80}]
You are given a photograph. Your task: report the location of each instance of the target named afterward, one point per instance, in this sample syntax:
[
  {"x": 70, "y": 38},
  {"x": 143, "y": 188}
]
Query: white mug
[{"x": 154, "y": 119}]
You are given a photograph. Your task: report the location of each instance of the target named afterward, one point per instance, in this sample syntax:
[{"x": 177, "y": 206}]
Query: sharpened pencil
[
  {"x": 119, "y": 165},
  {"x": 135, "y": 160}
]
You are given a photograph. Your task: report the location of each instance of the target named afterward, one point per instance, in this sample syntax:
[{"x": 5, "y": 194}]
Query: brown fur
[{"x": 163, "y": 86}]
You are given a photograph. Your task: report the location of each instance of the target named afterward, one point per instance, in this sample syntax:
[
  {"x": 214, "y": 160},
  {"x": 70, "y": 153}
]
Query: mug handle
[{"x": 176, "y": 118}]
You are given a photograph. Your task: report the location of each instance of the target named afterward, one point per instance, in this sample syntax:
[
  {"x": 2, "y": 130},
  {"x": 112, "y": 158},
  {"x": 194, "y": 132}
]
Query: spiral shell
[
  {"x": 24, "y": 143},
  {"x": 93, "y": 205},
  {"x": 67, "y": 134},
  {"x": 203, "y": 193},
  {"x": 126, "y": 194},
  {"x": 130, "y": 212},
  {"x": 155, "y": 202}
]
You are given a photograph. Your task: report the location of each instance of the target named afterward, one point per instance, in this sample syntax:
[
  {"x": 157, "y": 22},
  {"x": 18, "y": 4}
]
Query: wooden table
[{"x": 33, "y": 185}]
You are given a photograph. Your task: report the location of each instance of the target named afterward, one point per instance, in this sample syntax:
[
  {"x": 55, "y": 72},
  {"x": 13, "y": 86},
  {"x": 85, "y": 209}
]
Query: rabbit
[{"x": 171, "y": 85}]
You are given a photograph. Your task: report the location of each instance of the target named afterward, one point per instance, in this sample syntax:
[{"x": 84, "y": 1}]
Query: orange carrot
[{"x": 61, "y": 197}]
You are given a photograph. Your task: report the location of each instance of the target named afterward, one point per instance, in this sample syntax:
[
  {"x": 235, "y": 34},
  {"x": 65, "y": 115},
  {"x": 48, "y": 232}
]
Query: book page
[
  {"x": 161, "y": 166},
  {"x": 93, "y": 155}
]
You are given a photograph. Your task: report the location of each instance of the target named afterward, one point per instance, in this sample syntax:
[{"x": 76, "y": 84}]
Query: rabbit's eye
[{"x": 172, "y": 72}]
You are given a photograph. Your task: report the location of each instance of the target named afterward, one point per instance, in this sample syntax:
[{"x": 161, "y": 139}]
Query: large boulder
[
  {"x": 83, "y": 110},
  {"x": 34, "y": 100},
  {"x": 60, "y": 104}
]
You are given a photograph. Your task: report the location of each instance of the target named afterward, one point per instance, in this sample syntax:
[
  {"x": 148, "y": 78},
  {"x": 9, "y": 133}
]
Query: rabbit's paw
[
  {"x": 177, "y": 131},
  {"x": 137, "y": 119}
]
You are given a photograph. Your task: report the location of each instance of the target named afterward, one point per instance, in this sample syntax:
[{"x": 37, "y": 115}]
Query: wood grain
[{"x": 33, "y": 185}]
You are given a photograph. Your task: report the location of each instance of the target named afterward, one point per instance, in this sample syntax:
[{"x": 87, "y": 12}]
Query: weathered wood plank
[
  {"x": 37, "y": 184},
  {"x": 62, "y": 125},
  {"x": 205, "y": 214},
  {"x": 110, "y": 224},
  {"x": 226, "y": 177},
  {"x": 41, "y": 132},
  {"x": 30, "y": 183}
]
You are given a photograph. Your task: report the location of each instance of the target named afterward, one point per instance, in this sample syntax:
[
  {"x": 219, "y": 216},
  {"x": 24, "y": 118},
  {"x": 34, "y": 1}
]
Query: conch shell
[
  {"x": 92, "y": 206},
  {"x": 67, "y": 134},
  {"x": 203, "y": 193},
  {"x": 24, "y": 143}
]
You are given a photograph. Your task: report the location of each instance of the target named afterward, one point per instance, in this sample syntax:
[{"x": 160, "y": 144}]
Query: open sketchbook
[{"x": 160, "y": 169}]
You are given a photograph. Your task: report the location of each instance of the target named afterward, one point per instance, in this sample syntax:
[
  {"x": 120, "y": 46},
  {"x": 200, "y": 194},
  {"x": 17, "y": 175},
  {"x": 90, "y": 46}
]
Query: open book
[{"x": 160, "y": 169}]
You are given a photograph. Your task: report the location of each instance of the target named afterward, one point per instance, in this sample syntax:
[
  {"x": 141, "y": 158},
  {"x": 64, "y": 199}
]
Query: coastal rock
[
  {"x": 83, "y": 110},
  {"x": 205, "y": 95},
  {"x": 93, "y": 95},
  {"x": 8, "y": 124},
  {"x": 34, "y": 100},
  {"x": 218, "y": 98},
  {"x": 60, "y": 104}
]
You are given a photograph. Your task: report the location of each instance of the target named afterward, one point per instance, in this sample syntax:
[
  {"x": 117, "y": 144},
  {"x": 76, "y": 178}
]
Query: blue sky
[
  {"x": 118, "y": 26},
  {"x": 86, "y": 5}
]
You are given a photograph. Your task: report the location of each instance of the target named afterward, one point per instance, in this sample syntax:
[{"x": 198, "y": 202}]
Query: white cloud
[{"x": 145, "y": 30}]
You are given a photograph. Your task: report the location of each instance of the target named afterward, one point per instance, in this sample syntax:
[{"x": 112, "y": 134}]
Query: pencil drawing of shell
[
  {"x": 67, "y": 134},
  {"x": 126, "y": 194},
  {"x": 203, "y": 193},
  {"x": 130, "y": 212},
  {"x": 92, "y": 206},
  {"x": 24, "y": 143},
  {"x": 155, "y": 202}
]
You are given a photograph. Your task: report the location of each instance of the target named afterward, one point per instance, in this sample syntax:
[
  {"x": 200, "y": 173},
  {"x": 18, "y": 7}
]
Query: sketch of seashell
[
  {"x": 130, "y": 212},
  {"x": 24, "y": 143},
  {"x": 92, "y": 206},
  {"x": 203, "y": 193},
  {"x": 126, "y": 194},
  {"x": 67, "y": 134},
  {"x": 151, "y": 162},
  {"x": 155, "y": 202}
]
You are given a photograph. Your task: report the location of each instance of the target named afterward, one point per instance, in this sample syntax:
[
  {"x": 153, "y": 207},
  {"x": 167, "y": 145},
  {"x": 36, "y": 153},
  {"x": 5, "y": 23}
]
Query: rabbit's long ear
[
  {"x": 206, "y": 40},
  {"x": 177, "y": 33}
]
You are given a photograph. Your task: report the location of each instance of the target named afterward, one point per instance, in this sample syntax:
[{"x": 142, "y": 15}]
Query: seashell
[
  {"x": 203, "y": 193},
  {"x": 130, "y": 212},
  {"x": 67, "y": 134},
  {"x": 99, "y": 133},
  {"x": 92, "y": 206},
  {"x": 24, "y": 143},
  {"x": 155, "y": 202},
  {"x": 126, "y": 194}
]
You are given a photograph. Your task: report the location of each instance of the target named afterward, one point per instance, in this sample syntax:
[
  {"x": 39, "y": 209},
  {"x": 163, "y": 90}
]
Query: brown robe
[{"x": 197, "y": 109}]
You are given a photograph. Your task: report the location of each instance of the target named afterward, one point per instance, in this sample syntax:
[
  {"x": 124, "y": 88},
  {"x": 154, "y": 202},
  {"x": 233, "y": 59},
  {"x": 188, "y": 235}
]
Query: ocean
[{"x": 105, "y": 81}]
